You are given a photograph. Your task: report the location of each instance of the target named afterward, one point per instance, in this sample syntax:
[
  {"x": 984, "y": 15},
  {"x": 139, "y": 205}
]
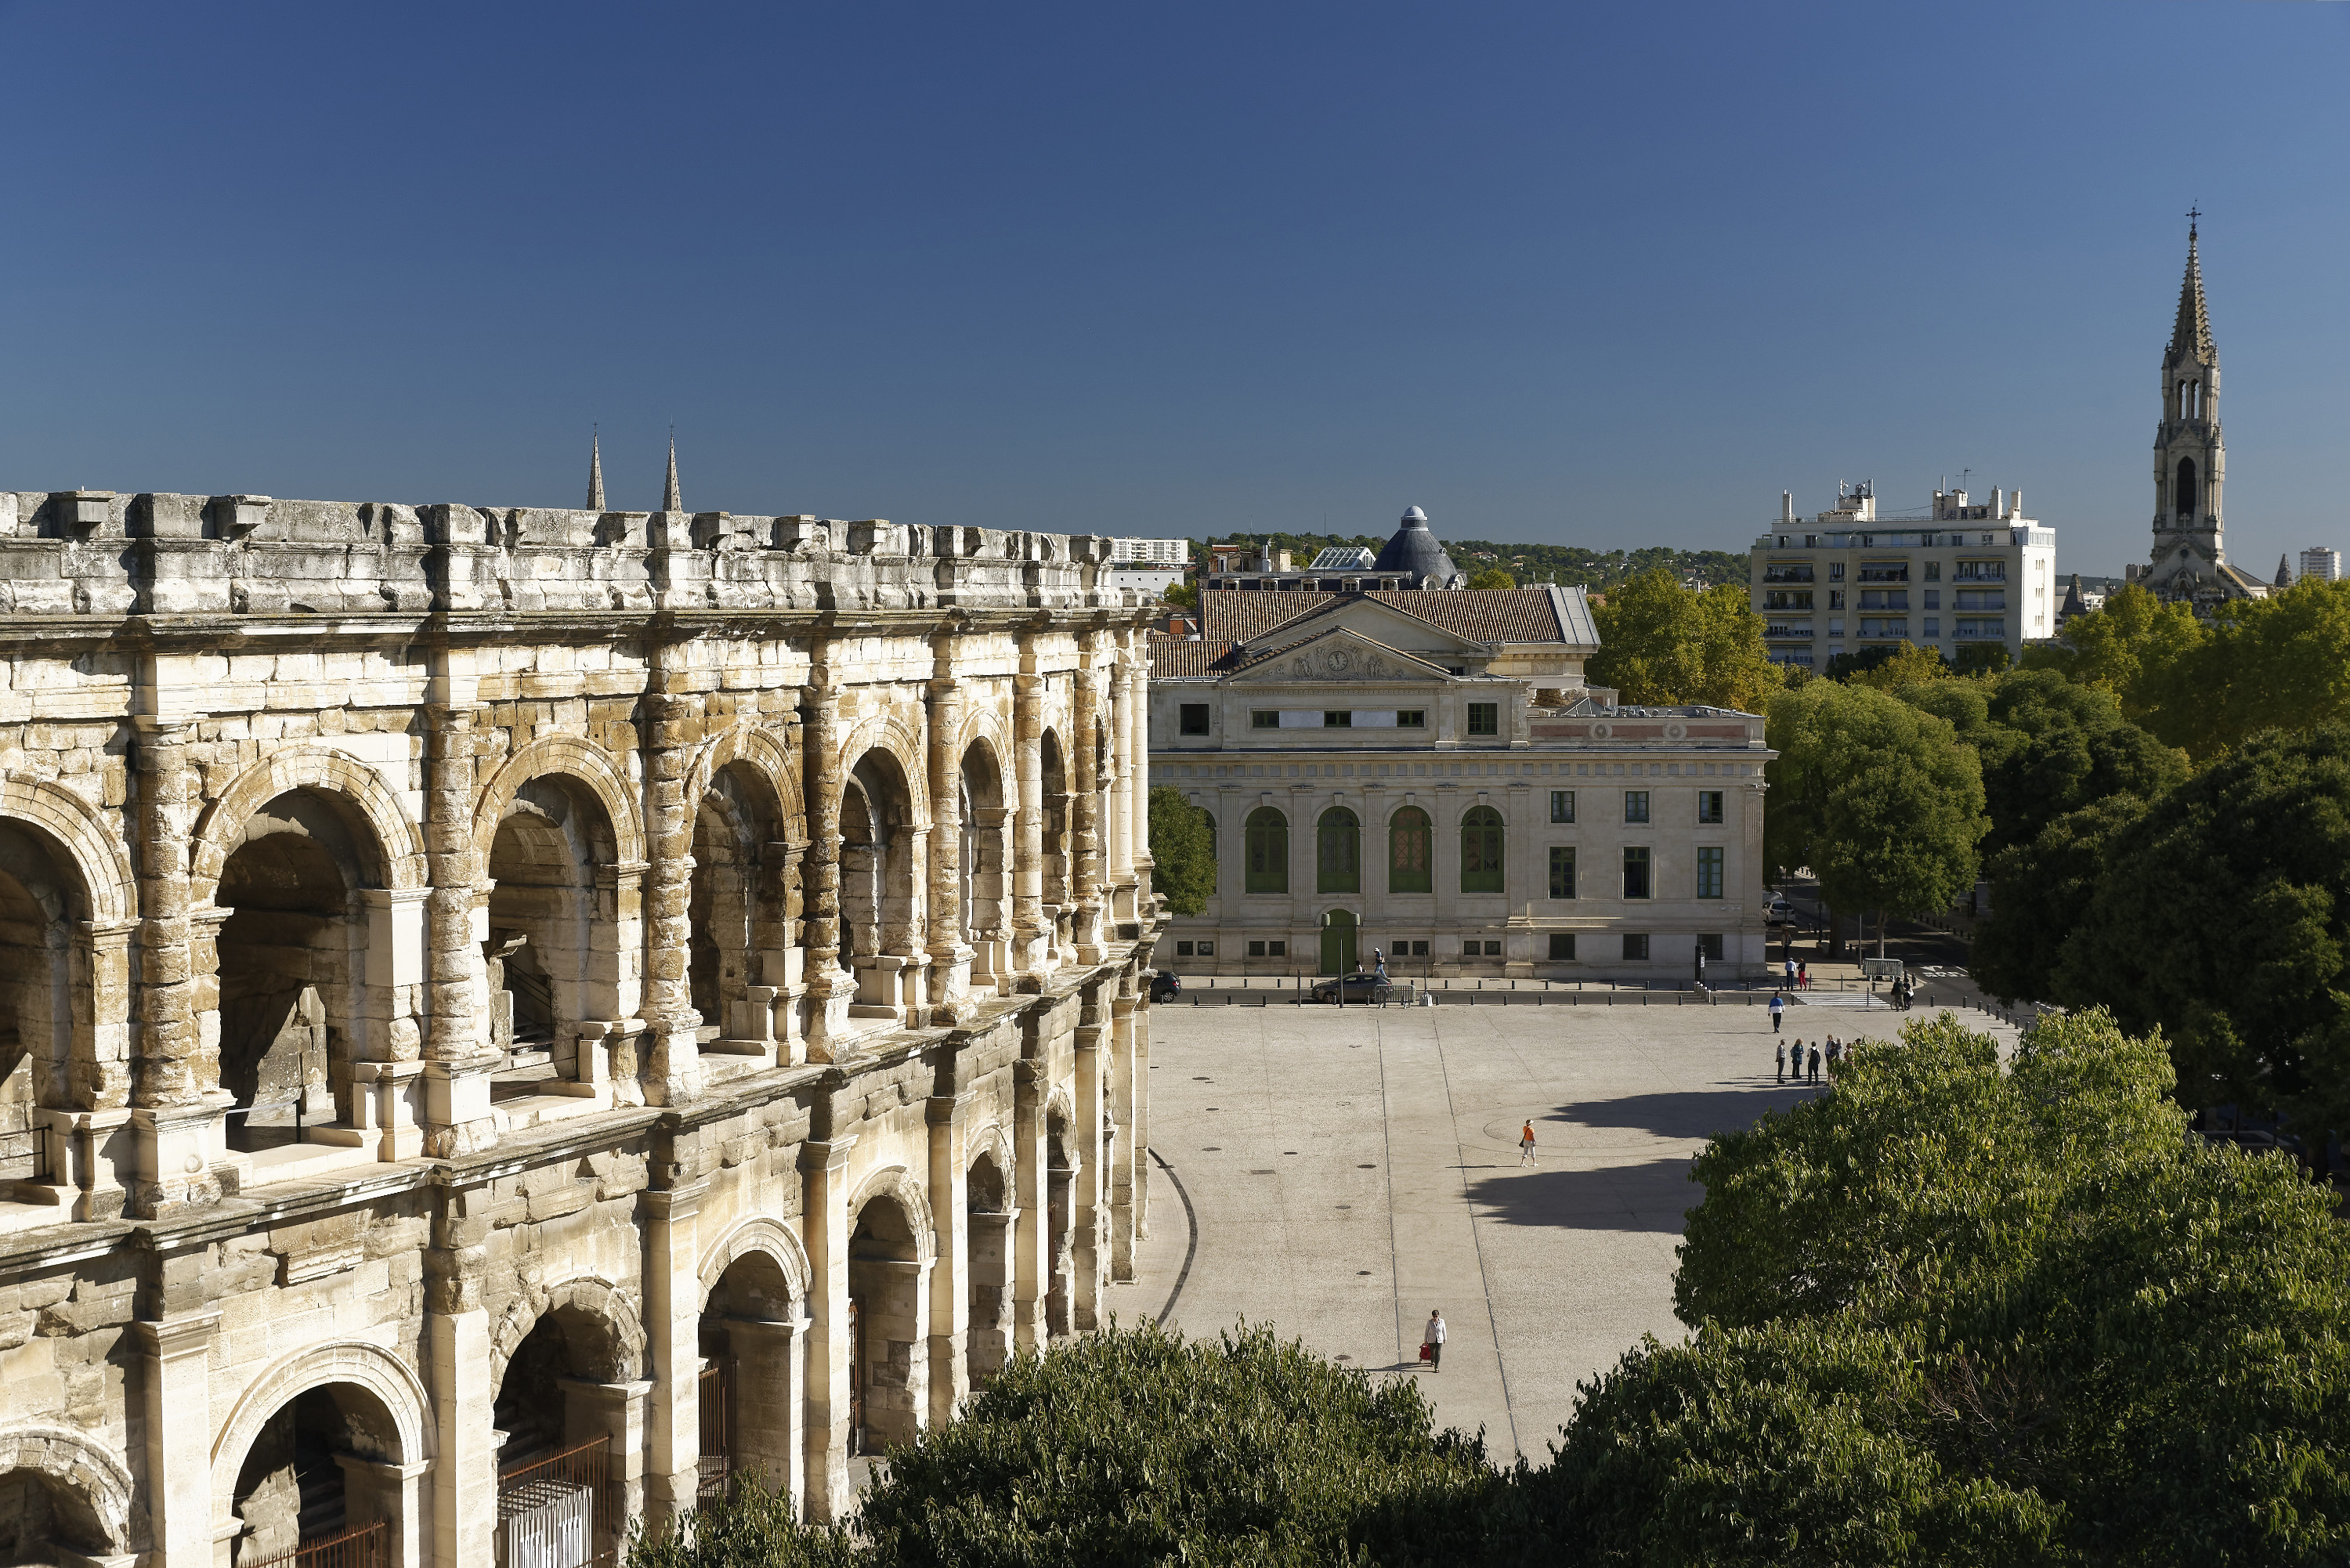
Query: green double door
[{"x": 1338, "y": 942}]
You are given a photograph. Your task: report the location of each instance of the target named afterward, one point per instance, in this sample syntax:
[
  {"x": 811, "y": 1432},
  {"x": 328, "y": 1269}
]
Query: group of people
[
  {"x": 1828, "y": 1054},
  {"x": 1799, "y": 975}
]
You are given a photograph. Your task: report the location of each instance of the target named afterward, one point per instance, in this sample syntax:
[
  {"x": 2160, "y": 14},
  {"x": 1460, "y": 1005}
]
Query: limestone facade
[{"x": 509, "y": 1016}]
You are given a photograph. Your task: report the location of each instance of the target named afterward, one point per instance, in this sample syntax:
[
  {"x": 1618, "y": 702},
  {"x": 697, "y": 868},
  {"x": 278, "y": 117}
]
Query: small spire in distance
[
  {"x": 595, "y": 471},
  {"x": 670, "y": 499},
  {"x": 2192, "y": 332},
  {"x": 2284, "y": 573}
]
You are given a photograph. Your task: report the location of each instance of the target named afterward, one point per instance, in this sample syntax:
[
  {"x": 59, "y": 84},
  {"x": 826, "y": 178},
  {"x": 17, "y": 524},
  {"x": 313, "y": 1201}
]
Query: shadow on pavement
[
  {"x": 1653, "y": 1196},
  {"x": 1692, "y": 1114}
]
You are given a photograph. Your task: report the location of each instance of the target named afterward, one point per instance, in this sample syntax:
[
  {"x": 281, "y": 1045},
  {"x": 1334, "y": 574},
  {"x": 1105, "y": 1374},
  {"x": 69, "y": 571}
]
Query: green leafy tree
[
  {"x": 1492, "y": 578},
  {"x": 1660, "y": 644},
  {"x": 1982, "y": 659},
  {"x": 2278, "y": 663},
  {"x": 1183, "y": 595},
  {"x": 2041, "y": 892},
  {"x": 754, "y": 1527},
  {"x": 2128, "y": 646},
  {"x": 1182, "y": 851},
  {"x": 1881, "y": 801},
  {"x": 1889, "y": 670},
  {"x": 2223, "y": 915},
  {"x": 2049, "y": 747}
]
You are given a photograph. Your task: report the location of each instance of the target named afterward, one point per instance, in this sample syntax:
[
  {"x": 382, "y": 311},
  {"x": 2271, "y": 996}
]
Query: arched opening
[
  {"x": 290, "y": 957},
  {"x": 885, "y": 1328},
  {"x": 1060, "y": 1240},
  {"x": 1060, "y": 876},
  {"x": 558, "y": 1409},
  {"x": 325, "y": 1464},
  {"x": 986, "y": 896},
  {"x": 43, "y": 1520},
  {"x": 1338, "y": 939},
  {"x": 1480, "y": 850},
  {"x": 987, "y": 1211},
  {"x": 1268, "y": 851},
  {"x": 1337, "y": 860},
  {"x": 738, "y": 909},
  {"x": 547, "y": 973},
  {"x": 750, "y": 1384},
  {"x": 42, "y": 1002},
  {"x": 2187, "y": 498},
  {"x": 879, "y": 925},
  {"x": 1407, "y": 852}
]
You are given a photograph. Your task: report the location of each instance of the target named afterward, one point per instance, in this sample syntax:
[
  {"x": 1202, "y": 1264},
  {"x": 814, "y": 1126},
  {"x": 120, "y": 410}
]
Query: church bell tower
[{"x": 2190, "y": 459}]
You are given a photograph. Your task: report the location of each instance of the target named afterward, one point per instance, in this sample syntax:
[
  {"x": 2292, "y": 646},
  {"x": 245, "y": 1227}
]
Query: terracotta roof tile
[
  {"x": 1482, "y": 615},
  {"x": 1173, "y": 657}
]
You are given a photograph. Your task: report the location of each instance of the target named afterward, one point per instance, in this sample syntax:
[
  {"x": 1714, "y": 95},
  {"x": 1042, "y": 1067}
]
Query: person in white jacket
[{"x": 1431, "y": 1339}]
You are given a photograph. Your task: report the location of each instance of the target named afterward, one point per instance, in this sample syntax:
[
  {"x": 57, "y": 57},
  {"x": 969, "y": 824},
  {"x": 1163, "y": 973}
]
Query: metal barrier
[
  {"x": 362, "y": 1546},
  {"x": 561, "y": 1512},
  {"x": 717, "y": 1462}
]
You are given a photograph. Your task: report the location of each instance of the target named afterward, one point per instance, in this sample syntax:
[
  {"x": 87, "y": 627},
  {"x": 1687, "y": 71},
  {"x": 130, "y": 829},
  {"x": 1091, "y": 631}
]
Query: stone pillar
[
  {"x": 1086, "y": 1217},
  {"x": 1123, "y": 803},
  {"x": 950, "y": 1284},
  {"x": 92, "y": 1148},
  {"x": 1084, "y": 806},
  {"x": 1137, "y": 768},
  {"x": 393, "y": 1493},
  {"x": 1031, "y": 1262},
  {"x": 385, "y": 1087},
  {"x": 457, "y": 1054},
  {"x": 672, "y": 723},
  {"x": 1029, "y": 934},
  {"x": 1125, "y": 1153},
  {"x": 178, "y": 1119},
  {"x": 673, "y": 1334},
  {"x": 830, "y": 987},
  {"x": 950, "y": 944},
  {"x": 825, "y": 1218},
  {"x": 176, "y": 1369},
  {"x": 1138, "y": 1137},
  {"x": 614, "y": 1411},
  {"x": 770, "y": 1402},
  {"x": 457, "y": 1361}
]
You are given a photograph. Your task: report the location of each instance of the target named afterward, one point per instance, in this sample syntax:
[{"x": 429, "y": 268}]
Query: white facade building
[
  {"x": 1964, "y": 575},
  {"x": 2321, "y": 563},
  {"x": 1149, "y": 566}
]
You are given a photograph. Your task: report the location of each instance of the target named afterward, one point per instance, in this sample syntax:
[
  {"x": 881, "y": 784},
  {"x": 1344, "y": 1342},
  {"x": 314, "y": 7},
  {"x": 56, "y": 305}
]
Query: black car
[
  {"x": 1359, "y": 988},
  {"x": 1165, "y": 986}
]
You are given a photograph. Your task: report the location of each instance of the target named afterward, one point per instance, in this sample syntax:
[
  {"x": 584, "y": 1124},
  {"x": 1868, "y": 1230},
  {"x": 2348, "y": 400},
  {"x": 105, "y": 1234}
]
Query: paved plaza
[{"x": 1347, "y": 1171}]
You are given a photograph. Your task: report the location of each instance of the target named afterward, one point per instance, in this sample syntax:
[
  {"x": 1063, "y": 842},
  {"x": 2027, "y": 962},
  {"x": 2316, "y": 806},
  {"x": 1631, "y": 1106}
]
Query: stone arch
[
  {"x": 992, "y": 1143},
  {"x": 390, "y": 1382},
  {"x": 985, "y": 726},
  {"x": 889, "y": 734},
  {"x": 765, "y": 751},
  {"x": 398, "y": 842},
  {"x": 87, "y": 1471},
  {"x": 97, "y": 855},
  {"x": 897, "y": 1182},
  {"x": 570, "y": 757},
  {"x": 595, "y": 1298},
  {"x": 759, "y": 1234}
]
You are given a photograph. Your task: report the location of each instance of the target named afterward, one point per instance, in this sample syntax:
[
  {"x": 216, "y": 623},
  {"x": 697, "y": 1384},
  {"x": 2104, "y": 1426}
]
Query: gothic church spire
[
  {"x": 595, "y": 472},
  {"x": 2192, "y": 334},
  {"x": 670, "y": 499}
]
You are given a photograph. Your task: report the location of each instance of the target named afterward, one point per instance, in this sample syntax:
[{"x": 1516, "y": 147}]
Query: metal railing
[
  {"x": 361, "y": 1546},
  {"x": 717, "y": 1461},
  {"x": 561, "y": 1512}
]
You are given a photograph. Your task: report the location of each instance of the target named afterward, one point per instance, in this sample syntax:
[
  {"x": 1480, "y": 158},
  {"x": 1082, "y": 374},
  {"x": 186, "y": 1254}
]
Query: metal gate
[
  {"x": 560, "y": 1512},
  {"x": 717, "y": 1401},
  {"x": 856, "y": 1378},
  {"x": 362, "y": 1546}
]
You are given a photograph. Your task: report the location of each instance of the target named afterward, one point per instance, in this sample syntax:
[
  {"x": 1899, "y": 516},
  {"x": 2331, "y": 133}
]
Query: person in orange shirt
[{"x": 1526, "y": 1144}]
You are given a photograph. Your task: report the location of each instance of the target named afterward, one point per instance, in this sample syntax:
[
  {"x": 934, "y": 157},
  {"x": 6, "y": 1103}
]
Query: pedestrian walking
[
  {"x": 1816, "y": 1064},
  {"x": 1526, "y": 1144},
  {"x": 1803, "y": 975},
  {"x": 1780, "y": 1051},
  {"x": 1778, "y": 1006},
  {"x": 1431, "y": 1340}
]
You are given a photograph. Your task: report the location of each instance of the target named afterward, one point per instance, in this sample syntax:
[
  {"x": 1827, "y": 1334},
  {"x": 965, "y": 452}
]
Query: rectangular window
[
  {"x": 1787, "y": 571},
  {"x": 1337, "y": 719},
  {"x": 1195, "y": 718},
  {"x": 1885, "y": 571},
  {"x": 1933, "y": 626},
  {"x": 1635, "y": 946},
  {"x": 1493, "y": 950},
  {"x": 1636, "y": 805},
  {"x": 1980, "y": 599},
  {"x": 1709, "y": 805},
  {"x": 1420, "y": 949},
  {"x": 1636, "y": 872},
  {"x": 1710, "y": 945},
  {"x": 1562, "y": 870},
  {"x": 1562, "y": 805},
  {"x": 1836, "y": 571},
  {"x": 1933, "y": 575},
  {"x": 1933, "y": 599},
  {"x": 1708, "y": 872},
  {"x": 1207, "y": 950},
  {"x": 1484, "y": 718},
  {"x": 1789, "y": 601},
  {"x": 1562, "y": 944},
  {"x": 1971, "y": 630},
  {"x": 1277, "y": 950},
  {"x": 1472, "y": 948},
  {"x": 1411, "y": 719},
  {"x": 1264, "y": 718},
  {"x": 1980, "y": 571},
  {"x": 1183, "y": 950},
  {"x": 1256, "y": 949}
]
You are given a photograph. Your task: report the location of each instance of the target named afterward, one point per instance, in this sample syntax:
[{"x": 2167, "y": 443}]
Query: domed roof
[{"x": 1415, "y": 550}]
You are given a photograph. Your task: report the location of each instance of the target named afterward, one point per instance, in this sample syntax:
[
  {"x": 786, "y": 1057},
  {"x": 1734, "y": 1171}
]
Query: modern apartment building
[
  {"x": 2321, "y": 563},
  {"x": 1961, "y": 574}
]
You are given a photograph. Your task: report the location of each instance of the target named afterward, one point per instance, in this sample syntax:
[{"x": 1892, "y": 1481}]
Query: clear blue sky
[{"x": 1607, "y": 275}]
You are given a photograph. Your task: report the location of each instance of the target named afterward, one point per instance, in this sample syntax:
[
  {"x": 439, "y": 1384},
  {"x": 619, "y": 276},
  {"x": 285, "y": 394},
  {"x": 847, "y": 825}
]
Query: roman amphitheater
[{"x": 509, "y": 1016}]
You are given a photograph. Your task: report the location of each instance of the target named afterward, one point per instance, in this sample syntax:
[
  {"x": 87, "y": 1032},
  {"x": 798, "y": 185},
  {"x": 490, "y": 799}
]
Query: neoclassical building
[{"x": 508, "y": 1016}]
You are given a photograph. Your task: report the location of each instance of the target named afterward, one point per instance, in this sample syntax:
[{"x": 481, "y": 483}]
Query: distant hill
[{"x": 1531, "y": 564}]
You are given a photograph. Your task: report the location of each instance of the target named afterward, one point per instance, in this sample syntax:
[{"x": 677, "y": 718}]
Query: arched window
[
  {"x": 2187, "y": 499},
  {"x": 1480, "y": 850},
  {"x": 1268, "y": 851},
  {"x": 1337, "y": 860},
  {"x": 1407, "y": 844}
]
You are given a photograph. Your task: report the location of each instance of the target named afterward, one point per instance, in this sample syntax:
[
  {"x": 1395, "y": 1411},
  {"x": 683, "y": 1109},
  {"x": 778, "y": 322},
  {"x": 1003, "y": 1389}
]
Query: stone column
[
  {"x": 673, "y": 1332},
  {"x": 1031, "y": 1262},
  {"x": 90, "y": 1150},
  {"x": 457, "y": 1054},
  {"x": 178, "y": 1119},
  {"x": 1084, "y": 806},
  {"x": 393, "y": 1493},
  {"x": 1126, "y": 804},
  {"x": 457, "y": 1361},
  {"x": 384, "y": 1086},
  {"x": 672, "y": 1068},
  {"x": 825, "y": 1220},
  {"x": 1086, "y": 1217},
  {"x": 1138, "y": 766},
  {"x": 176, "y": 1368},
  {"x": 830, "y": 988},
  {"x": 949, "y": 1187},
  {"x": 1029, "y": 933},
  {"x": 614, "y": 1411},
  {"x": 1125, "y": 1152},
  {"x": 950, "y": 944},
  {"x": 770, "y": 1402}
]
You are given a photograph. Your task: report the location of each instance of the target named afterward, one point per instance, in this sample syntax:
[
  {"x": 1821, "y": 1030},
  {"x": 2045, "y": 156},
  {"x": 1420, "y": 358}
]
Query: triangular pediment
[
  {"x": 1383, "y": 624},
  {"x": 1340, "y": 653}
]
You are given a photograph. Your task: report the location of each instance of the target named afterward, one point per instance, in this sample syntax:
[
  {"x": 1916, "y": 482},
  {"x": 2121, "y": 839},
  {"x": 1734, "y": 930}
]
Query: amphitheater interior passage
[{"x": 509, "y": 1018}]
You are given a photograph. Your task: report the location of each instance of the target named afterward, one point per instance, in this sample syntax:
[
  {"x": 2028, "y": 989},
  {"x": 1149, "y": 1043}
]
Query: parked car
[
  {"x": 1359, "y": 988},
  {"x": 1165, "y": 986},
  {"x": 1778, "y": 911}
]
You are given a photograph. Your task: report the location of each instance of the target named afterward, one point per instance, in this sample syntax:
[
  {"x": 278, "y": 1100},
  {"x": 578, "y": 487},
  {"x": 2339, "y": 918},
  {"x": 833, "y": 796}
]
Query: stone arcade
[{"x": 507, "y": 1016}]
